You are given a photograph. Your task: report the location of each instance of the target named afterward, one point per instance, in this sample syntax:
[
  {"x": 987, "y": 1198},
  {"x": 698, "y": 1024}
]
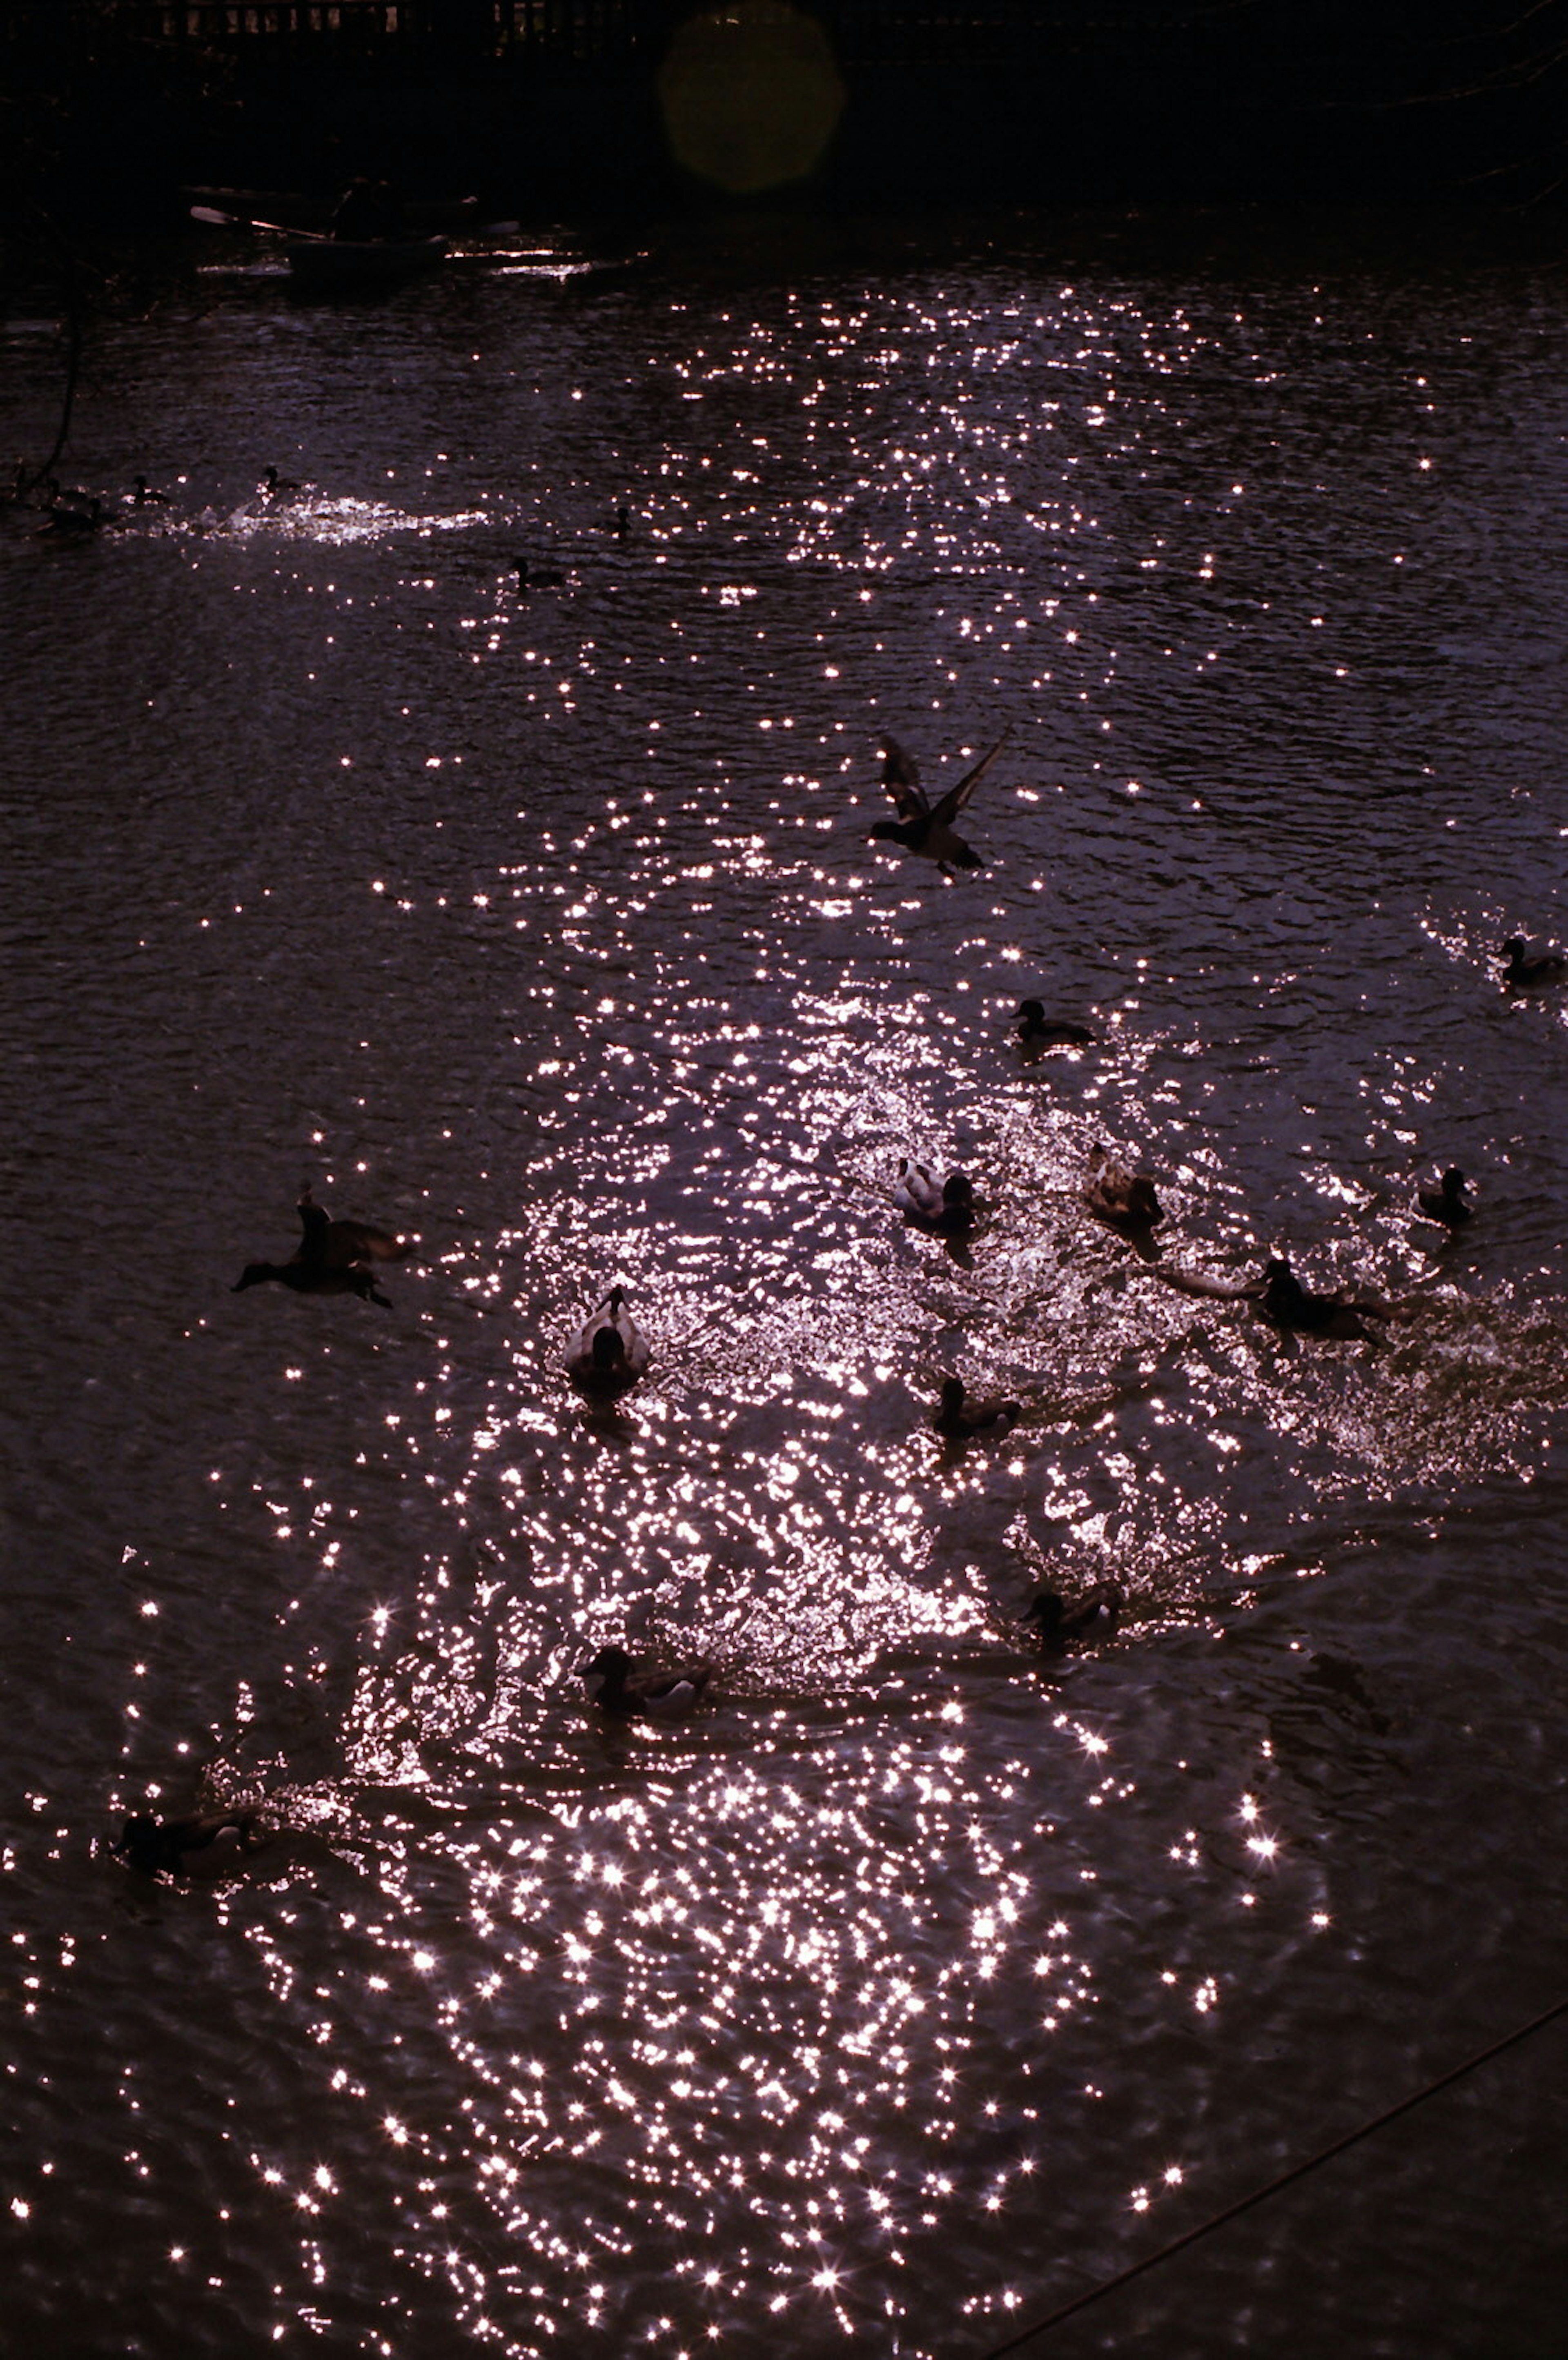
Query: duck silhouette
[
  {"x": 959, "y": 1419},
  {"x": 1124, "y": 1200},
  {"x": 924, "y": 826},
  {"x": 530, "y": 577},
  {"x": 1285, "y": 1302},
  {"x": 609, "y": 1355},
  {"x": 67, "y": 523},
  {"x": 1528, "y": 970},
  {"x": 1035, "y": 1030},
  {"x": 204, "y": 1845},
  {"x": 946, "y": 1208},
  {"x": 1057, "y": 1626},
  {"x": 1446, "y": 1202},
  {"x": 334, "y": 1258},
  {"x": 614, "y": 1687}
]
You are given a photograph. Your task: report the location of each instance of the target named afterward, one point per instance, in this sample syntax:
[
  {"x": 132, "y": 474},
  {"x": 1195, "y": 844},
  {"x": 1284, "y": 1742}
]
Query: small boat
[
  {"x": 287, "y": 209},
  {"x": 330, "y": 266}
]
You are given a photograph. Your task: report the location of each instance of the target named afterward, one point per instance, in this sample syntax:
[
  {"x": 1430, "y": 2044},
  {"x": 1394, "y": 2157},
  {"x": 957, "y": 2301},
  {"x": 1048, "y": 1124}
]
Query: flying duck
[
  {"x": 1527, "y": 967},
  {"x": 1446, "y": 1202},
  {"x": 924, "y": 826},
  {"x": 614, "y": 1687},
  {"x": 1094, "y": 1617},
  {"x": 948, "y": 1208},
  {"x": 1037, "y": 1031},
  {"x": 608, "y": 1355},
  {"x": 1288, "y": 1304},
  {"x": 959, "y": 1419},
  {"x": 204, "y": 1846},
  {"x": 334, "y": 1258},
  {"x": 1123, "y": 1199}
]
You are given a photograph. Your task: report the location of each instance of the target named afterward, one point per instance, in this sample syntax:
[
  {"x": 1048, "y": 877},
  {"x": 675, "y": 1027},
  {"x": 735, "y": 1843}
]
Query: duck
[
  {"x": 924, "y": 826},
  {"x": 959, "y": 1419},
  {"x": 1037, "y": 1031},
  {"x": 609, "y": 1355},
  {"x": 1285, "y": 1302},
  {"x": 550, "y": 578},
  {"x": 947, "y": 1207},
  {"x": 50, "y": 492},
  {"x": 622, "y": 525},
  {"x": 74, "y": 523},
  {"x": 334, "y": 1258},
  {"x": 1527, "y": 968},
  {"x": 206, "y": 1845},
  {"x": 614, "y": 1687},
  {"x": 1446, "y": 1202},
  {"x": 1057, "y": 1626},
  {"x": 274, "y": 486},
  {"x": 144, "y": 497},
  {"x": 1123, "y": 1199}
]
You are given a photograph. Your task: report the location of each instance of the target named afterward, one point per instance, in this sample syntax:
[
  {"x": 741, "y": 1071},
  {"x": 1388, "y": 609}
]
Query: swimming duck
[
  {"x": 209, "y": 1845},
  {"x": 547, "y": 578},
  {"x": 1526, "y": 967},
  {"x": 1446, "y": 1202},
  {"x": 50, "y": 492},
  {"x": 959, "y": 1419},
  {"x": 948, "y": 1208},
  {"x": 1125, "y": 1201},
  {"x": 1037, "y": 1031},
  {"x": 74, "y": 523},
  {"x": 144, "y": 497},
  {"x": 274, "y": 486},
  {"x": 924, "y": 826},
  {"x": 609, "y": 1355},
  {"x": 1094, "y": 1617},
  {"x": 334, "y": 1258},
  {"x": 1288, "y": 1304},
  {"x": 614, "y": 1687}
]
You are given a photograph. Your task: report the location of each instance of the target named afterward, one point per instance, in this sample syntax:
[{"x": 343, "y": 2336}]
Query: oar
[{"x": 217, "y": 220}]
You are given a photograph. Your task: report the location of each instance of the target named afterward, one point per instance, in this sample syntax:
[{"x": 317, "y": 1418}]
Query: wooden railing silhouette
[{"x": 894, "y": 31}]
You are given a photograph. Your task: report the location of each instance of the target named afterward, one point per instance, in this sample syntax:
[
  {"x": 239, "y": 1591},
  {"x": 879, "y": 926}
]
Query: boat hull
[
  {"x": 332, "y": 266},
  {"x": 280, "y": 208}
]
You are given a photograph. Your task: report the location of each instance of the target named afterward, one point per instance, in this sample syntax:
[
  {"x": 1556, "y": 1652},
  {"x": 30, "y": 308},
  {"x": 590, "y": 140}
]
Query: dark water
[{"x": 921, "y": 1983}]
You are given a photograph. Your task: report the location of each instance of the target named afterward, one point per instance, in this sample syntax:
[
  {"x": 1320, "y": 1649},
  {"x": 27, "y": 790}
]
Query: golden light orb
[{"x": 751, "y": 94}]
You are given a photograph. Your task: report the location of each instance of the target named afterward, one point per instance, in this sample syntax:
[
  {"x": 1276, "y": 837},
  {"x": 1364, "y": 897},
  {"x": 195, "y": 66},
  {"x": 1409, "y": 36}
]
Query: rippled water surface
[{"x": 922, "y": 1981}]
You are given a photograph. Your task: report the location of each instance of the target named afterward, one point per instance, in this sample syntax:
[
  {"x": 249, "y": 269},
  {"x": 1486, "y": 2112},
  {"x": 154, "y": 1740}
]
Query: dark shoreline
[{"x": 1172, "y": 119}]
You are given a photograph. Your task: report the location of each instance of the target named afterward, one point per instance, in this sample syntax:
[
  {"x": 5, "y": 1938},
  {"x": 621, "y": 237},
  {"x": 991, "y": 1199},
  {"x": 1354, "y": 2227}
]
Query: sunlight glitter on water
[{"x": 551, "y": 928}]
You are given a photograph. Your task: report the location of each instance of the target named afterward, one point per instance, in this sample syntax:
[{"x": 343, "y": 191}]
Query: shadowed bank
[{"x": 611, "y": 104}]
